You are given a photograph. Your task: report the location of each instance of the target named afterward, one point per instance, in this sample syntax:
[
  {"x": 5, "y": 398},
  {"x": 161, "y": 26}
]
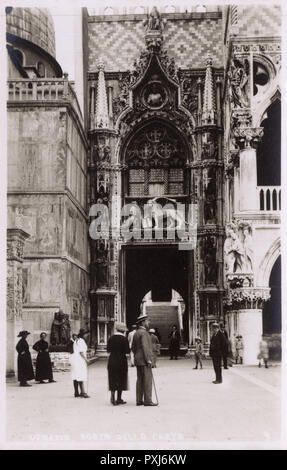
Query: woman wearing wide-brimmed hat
[
  {"x": 43, "y": 362},
  {"x": 79, "y": 364},
  {"x": 118, "y": 347},
  {"x": 25, "y": 367}
]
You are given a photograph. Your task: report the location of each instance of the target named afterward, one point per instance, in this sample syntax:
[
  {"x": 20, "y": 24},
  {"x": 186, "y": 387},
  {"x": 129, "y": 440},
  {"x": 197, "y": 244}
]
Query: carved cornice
[
  {"x": 205, "y": 164},
  {"x": 247, "y": 297},
  {"x": 211, "y": 230}
]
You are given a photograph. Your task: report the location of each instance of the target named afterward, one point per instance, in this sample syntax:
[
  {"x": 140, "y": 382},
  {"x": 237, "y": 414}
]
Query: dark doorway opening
[
  {"x": 159, "y": 270},
  {"x": 269, "y": 150},
  {"x": 272, "y": 312}
]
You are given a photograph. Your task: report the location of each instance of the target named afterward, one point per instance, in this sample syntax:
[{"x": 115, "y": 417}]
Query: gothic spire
[
  {"x": 208, "y": 111},
  {"x": 102, "y": 114}
]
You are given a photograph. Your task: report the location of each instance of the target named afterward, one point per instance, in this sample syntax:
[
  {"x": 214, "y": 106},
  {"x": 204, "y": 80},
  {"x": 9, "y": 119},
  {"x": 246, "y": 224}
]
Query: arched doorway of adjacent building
[
  {"x": 272, "y": 312},
  {"x": 163, "y": 314},
  {"x": 269, "y": 150},
  {"x": 155, "y": 273}
]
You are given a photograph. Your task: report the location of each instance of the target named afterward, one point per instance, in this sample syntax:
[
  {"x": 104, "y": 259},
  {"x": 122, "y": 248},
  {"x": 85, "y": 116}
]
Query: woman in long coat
[
  {"x": 79, "y": 365},
  {"x": 43, "y": 362},
  {"x": 25, "y": 367},
  {"x": 118, "y": 347}
]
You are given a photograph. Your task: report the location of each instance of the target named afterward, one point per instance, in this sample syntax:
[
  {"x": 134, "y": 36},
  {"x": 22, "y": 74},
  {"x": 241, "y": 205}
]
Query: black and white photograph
[{"x": 141, "y": 227}]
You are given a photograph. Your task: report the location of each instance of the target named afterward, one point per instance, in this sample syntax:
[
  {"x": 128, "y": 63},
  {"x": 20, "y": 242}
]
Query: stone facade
[{"x": 175, "y": 108}]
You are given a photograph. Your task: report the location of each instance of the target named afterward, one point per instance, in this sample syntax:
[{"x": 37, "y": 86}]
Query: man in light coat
[{"x": 142, "y": 349}]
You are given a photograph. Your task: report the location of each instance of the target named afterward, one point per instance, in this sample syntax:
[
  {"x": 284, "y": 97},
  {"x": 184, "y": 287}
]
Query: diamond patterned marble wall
[{"x": 189, "y": 41}]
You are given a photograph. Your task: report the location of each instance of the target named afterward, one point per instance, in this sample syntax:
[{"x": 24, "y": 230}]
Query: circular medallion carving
[{"x": 154, "y": 95}]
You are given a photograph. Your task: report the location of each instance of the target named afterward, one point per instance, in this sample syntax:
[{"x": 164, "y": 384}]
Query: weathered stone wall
[
  {"x": 36, "y": 148},
  {"x": 47, "y": 199},
  {"x": 76, "y": 163}
]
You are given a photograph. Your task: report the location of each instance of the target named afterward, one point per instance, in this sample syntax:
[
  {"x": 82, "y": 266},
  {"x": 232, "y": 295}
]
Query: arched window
[
  {"x": 41, "y": 69},
  {"x": 156, "y": 159}
]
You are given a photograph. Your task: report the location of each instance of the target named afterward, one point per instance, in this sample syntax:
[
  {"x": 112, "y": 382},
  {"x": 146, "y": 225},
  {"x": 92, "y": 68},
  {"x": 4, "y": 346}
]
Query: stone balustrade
[
  {"x": 269, "y": 198},
  {"x": 43, "y": 90}
]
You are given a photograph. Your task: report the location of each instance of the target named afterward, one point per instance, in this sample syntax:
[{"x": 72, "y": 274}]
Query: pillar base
[{"x": 249, "y": 325}]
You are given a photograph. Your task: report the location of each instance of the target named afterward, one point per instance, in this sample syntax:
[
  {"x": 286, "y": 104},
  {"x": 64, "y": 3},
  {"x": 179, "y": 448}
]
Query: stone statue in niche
[
  {"x": 209, "y": 256},
  {"x": 210, "y": 197},
  {"x": 102, "y": 263},
  {"x": 238, "y": 79},
  {"x": 209, "y": 146},
  {"x": 154, "y": 96}
]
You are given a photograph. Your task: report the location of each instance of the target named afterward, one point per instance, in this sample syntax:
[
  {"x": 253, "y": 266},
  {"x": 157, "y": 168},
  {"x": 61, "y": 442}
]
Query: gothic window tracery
[{"x": 155, "y": 158}]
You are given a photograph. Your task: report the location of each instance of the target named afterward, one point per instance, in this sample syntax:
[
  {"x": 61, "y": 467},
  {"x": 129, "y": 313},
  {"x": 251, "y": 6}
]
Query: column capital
[
  {"x": 247, "y": 298},
  {"x": 248, "y": 137}
]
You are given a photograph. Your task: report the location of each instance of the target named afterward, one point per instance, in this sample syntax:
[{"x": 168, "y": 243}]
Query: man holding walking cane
[{"x": 143, "y": 353}]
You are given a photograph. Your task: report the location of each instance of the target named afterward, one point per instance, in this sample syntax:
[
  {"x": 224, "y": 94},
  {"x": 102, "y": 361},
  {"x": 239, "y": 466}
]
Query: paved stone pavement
[{"x": 193, "y": 413}]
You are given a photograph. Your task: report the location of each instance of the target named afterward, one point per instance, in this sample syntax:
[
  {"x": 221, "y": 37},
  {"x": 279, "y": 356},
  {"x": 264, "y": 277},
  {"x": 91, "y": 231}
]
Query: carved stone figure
[
  {"x": 238, "y": 77},
  {"x": 233, "y": 251},
  {"x": 154, "y": 21},
  {"x": 247, "y": 249},
  {"x": 210, "y": 198},
  {"x": 154, "y": 98},
  {"x": 61, "y": 329},
  {"x": 210, "y": 265}
]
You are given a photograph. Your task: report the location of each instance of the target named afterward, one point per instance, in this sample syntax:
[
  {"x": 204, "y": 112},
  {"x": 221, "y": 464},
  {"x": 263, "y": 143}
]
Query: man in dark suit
[
  {"x": 216, "y": 351},
  {"x": 225, "y": 352},
  {"x": 143, "y": 356}
]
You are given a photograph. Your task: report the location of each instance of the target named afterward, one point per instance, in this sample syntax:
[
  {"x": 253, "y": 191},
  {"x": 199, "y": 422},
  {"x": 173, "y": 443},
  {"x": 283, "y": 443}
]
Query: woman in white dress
[{"x": 79, "y": 365}]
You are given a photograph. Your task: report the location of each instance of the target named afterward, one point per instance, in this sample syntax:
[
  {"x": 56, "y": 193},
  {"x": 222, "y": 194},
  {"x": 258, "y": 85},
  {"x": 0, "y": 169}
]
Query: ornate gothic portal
[{"x": 156, "y": 141}]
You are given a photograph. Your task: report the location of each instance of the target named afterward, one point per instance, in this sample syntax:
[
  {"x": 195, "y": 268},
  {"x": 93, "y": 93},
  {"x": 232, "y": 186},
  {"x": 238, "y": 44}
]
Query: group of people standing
[
  {"x": 144, "y": 347},
  {"x": 43, "y": 361}
]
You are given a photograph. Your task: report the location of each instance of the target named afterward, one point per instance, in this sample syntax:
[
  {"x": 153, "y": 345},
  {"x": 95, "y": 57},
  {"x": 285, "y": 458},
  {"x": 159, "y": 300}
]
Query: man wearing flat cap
[
  {"x": 142, "y": 349},
  {"x": 216, "y": 351}
]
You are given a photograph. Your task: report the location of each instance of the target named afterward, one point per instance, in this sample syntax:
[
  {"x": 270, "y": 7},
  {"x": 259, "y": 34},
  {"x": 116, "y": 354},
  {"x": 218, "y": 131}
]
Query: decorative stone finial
[
  {"x": 102, "y": 115},
  {"x": 208, "y": 114}
]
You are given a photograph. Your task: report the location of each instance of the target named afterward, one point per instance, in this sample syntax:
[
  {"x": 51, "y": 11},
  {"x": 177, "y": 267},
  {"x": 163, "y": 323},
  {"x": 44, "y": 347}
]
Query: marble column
[
  {"x": 247, "y": 139},
  {"x": 250, "y": 327},
  {"x": 15, "y": 246}
]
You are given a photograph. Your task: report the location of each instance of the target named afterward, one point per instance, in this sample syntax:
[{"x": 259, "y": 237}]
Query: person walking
[
  {"x": 79, "y": 364},
  {"x": 118, "y": 347},
  {"x": 130, "y": 340},
  {"x": 225, "y": 352},
  {"x": 216, "y": 351},
  {"x": 198, "y": 353},
  {"x": 142, "y": 349},
  {"x": 174, "y": 338},
  {"x": 155, "y": 346},
  {"x": 25, "y": 367},
  {"x": 263, "y": 352},
  {"x": 239, "y": 347},
  {"x": 43, "y": 362}
]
